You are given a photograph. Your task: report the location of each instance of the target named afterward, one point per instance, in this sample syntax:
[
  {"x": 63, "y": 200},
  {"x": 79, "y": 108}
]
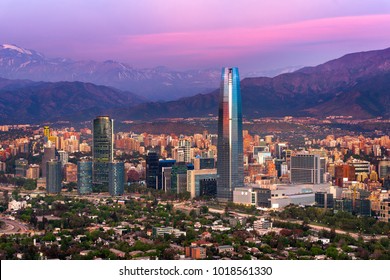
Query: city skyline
[{"x": 183, "y": 35}]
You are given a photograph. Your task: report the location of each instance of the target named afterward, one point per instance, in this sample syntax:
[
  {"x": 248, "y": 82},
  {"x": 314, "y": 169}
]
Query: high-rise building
[
  {"x": 46, "y": 133},
  {"x": 230, "y": 163},
  {"x": 344, "y": 172},
  {"x": 70, "y": 172},
  {"x": 84, "y": 177},
  {"x": 21, "y": 166},
  {"x": 164, "y": 174},
  {"x": 307, "y": 169},
  {"x": 102, "y": 151},
  {"x": 384, "y": 169},
  {"x": 63, "y": 157},
  {"x": 151, "y": 170},
  {"x": 33, "y": 171},
  {"x": 49, "y": 153},
  {"x": 116, "y": 178},
  {"x": 53, "y": 176},
  {"x": 184, "y": 151}
]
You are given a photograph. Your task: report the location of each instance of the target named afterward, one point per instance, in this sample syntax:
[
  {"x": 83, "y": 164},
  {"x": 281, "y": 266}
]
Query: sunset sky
[{"x": 251, "y": 34}]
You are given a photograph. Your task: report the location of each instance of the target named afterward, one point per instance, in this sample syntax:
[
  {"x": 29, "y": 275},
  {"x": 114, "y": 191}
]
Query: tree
[{"x": 332, "y": 252}]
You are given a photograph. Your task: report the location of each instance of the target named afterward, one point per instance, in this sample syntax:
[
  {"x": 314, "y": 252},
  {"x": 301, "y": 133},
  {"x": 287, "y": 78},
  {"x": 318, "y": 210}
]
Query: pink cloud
[{"x": 233, "y": 42}]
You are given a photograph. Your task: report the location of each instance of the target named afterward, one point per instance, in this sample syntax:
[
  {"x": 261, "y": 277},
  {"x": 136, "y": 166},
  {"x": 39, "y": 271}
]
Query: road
[
  {"x": 12, "y": 227},
  {"x": 365, "y": 237}
]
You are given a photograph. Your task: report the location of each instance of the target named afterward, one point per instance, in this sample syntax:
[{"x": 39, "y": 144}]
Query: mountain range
[
  {"x": 159, "y": 83},
  {"x": 356, "y": 84}
]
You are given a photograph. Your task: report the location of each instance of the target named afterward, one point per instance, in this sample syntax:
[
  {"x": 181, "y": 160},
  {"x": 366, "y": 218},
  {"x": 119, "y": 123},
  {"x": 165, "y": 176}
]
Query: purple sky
[{"x": 182, "y": 34}]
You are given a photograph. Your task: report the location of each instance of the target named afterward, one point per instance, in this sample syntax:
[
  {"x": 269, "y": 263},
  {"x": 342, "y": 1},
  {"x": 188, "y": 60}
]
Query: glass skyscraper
[
  {"x": 230, "y": 164},
  {"x": 116, "y": 178},
  {"x": 102, "y": 151},
  {"x": 84, "y": 177},
  {"x": 53, "y": 176}
]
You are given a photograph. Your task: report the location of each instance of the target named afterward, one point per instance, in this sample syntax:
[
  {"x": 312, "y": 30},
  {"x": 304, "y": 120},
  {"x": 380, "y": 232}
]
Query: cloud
[{"x": 238, "y": 42}]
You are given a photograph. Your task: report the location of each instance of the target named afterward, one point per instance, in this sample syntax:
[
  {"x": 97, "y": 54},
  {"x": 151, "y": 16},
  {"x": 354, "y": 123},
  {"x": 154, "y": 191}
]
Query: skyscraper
[
  {"x": 116, "y": 178},
  {"x": 151, "y": 170},
  {"x": 49, "y": 153},
  {"x": 53, "y": 176},
  {"x": 230, "y": 164},
  {"x": 102, "y": 151},
  {"x": 84, "y": 176}
]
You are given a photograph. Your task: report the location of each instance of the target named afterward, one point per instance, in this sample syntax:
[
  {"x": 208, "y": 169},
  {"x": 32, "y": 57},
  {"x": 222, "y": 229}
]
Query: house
[{"x": 225, "y": 249}]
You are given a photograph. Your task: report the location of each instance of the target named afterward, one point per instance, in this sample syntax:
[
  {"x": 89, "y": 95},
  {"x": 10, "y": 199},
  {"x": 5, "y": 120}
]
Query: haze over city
[{"x": 254, "y": 35}]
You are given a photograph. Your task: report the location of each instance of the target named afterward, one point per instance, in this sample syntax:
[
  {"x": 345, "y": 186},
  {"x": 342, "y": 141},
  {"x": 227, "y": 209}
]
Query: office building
[
  {"x": 102, "y": 151},
  {"x": 361, "y": 166},
  {"x": 204, "y": 163},
  {"x": 384, "y": 212},
  {"x": 202, "y": 182},
  {"x": 33, "y": 171},
  {"x": 230, "y": 163},
  {"x": 183, "y": 153},
  {"x": 63, "y": 157},
  {"x": 324, "y": 200},
  {"x": 21, "y": 166},
  {"x": 49, "y": 153},
  {"x": 53, "y": 176},
  {"x": 384, "y": 169},
  {"x": 307, "y": 169},
  {"x": 70, "y": 172},
  {"x": 151, "y": 170},
  {"x": 164, "y": 174},
  {"x": 84, "y": 177},
  {"x": 46, "y": 133},
  {"x": 344, "y": 172},
  {"x": 179, "y": 177},
  {"x": 116, "y": 178}
]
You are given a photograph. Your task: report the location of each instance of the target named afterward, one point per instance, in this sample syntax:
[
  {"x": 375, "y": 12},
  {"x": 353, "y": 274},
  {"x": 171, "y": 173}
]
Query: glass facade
[
  {"x": 230, "y": 164},
  {"x": 84, "y": 177},
  {"x": 116, "y": 178},
  {"x": 102, "y": 151},
  {"x": 53, "y": 176},
  {"x": 307, "y": 169},
  {"x": 151, "y": 170}
]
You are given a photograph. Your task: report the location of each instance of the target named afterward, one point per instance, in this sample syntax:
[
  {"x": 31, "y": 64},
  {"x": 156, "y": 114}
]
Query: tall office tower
[
  {"x": 63, "y": 157},
  {"x": 151, "y": 170},
  {"x": 84, "y": 177},
  {"x": 46, "y": 133},
  {"x": 307, "y": 169},
  {"x": 102, "y": 151},
  {"x": 230, "y": 164},
  {"x": 49, "y": 153},
  {"x": 116, "y": 178},
  {"x": 53, "y": 176},
  {"x": 21, "y": 166},
  {"x": 184, "y": 149},
  {"x": 384, "y": 169}
]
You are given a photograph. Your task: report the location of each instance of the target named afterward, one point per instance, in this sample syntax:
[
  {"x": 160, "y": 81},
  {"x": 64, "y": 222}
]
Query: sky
[{"x": 255, "y": 35}]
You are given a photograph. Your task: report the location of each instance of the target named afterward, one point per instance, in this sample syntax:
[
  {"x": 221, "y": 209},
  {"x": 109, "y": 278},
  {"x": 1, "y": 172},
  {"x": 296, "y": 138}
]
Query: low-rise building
[{"x": 196, "y": 252}]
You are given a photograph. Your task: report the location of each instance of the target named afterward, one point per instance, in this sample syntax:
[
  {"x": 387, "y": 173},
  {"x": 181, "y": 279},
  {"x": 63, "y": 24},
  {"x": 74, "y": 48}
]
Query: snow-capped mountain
[{"x": 158, "y": 83}]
